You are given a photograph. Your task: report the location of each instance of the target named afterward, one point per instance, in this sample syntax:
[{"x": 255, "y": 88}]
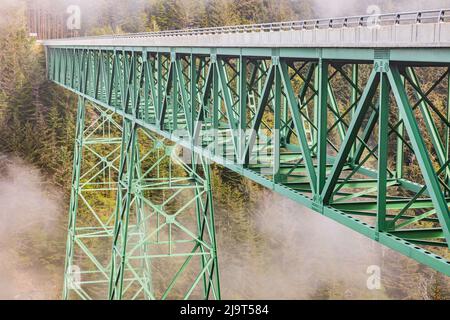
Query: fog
[
  {"x": 31, "y": 233},
  {"x": 326, "y": 8},
  {"x": 309, "y": 256},
  {"x": 302, "y": 255}
]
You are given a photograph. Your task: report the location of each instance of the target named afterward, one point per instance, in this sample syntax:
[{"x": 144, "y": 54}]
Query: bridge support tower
[{"x": 141, "y": 223}]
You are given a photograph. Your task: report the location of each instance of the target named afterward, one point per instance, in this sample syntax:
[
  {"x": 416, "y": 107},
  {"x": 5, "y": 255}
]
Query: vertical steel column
[
  {"x": 315, "y": 133},
  {"x": 214, "y": 281},
  {"x": 383, "y": 146},
  {"x": 276, "y": 136},
  {"x": 243, "y": 99},
  {"x": 193, "y": 93},
  {"x": 78, "y": 155},
  {"x": 211, "y": 283},
  {"x": 174, "y": 103},
  {"x": 400, "y": 153},
  {"x": 159, "y": 84},
  {"x": 216, "y": 102},
  {"x": 354, "y": 98},
  {"x": 322, "y": 124},
  {"x": 144, "y": 274},
  {"x": 447, "y": 130},
  {"x": 124, "y": 199}
]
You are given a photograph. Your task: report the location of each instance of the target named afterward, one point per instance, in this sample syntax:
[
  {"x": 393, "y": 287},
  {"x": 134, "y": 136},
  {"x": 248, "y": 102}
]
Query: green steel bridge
[{"x": 349, "y": 117}]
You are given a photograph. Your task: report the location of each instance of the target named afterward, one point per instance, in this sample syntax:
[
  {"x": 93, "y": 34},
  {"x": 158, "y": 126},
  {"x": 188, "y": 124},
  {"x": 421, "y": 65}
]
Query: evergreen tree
[
  {"x": 34, "y": 113},
  {"x": 246, "y": 11},
  {"x": 214, "y": 13},
  {"x": 169, "y": 15}
]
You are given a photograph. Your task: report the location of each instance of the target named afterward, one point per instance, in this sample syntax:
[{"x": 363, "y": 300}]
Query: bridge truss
[{"x": 358, "y": 135}]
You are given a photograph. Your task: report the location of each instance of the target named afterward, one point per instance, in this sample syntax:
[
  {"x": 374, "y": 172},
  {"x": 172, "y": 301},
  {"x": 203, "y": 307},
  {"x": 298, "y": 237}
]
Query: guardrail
[{"x": 430, "y": 16}]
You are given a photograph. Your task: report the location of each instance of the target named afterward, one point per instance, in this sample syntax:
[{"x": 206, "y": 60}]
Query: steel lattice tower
[
  {"x": 350, "y": 121},
  {"x": 163, "y": 218}
]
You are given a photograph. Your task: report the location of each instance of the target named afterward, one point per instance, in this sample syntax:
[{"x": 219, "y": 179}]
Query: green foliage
[
  {"x": 114, "y": 16},
  {"x": 37, "y": 118},
  {"x": 155, "y": 15},
  {"x": 169, "y": 14},
  {"x": 213, "y": 16},
  {"x": 246, "y": 11}
]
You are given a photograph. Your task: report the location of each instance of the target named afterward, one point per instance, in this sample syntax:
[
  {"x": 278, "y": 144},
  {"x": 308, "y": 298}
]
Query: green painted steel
[{"x": 350, "y": 133}]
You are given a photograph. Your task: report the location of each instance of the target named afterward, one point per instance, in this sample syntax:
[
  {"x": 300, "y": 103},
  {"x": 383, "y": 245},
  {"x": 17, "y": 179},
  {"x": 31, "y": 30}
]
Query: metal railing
[{"x": 430, "y": 16}]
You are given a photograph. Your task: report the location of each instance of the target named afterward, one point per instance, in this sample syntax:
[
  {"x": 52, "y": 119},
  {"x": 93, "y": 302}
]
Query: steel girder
[{"x": 352, "y": 134}]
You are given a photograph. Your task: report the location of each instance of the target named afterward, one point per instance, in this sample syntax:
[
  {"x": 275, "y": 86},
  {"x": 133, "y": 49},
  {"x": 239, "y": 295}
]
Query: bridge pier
[
  {"x": 95, "y": 171},
  {"x": 157, "y": 216}
]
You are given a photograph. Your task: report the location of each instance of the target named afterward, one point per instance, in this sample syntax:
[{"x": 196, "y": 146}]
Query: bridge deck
[{"x": 416, "y": 29}]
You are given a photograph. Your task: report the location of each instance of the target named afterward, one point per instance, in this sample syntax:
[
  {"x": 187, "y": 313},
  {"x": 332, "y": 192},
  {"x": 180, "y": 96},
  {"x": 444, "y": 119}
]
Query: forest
[{"x": 37, "y": 125}]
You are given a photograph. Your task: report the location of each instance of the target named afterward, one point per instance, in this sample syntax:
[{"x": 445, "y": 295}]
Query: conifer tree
[
  {"x": 246, "y": 11},
  {"x": 214, "y": 13},
  {"x": 170, "y": 15}
]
